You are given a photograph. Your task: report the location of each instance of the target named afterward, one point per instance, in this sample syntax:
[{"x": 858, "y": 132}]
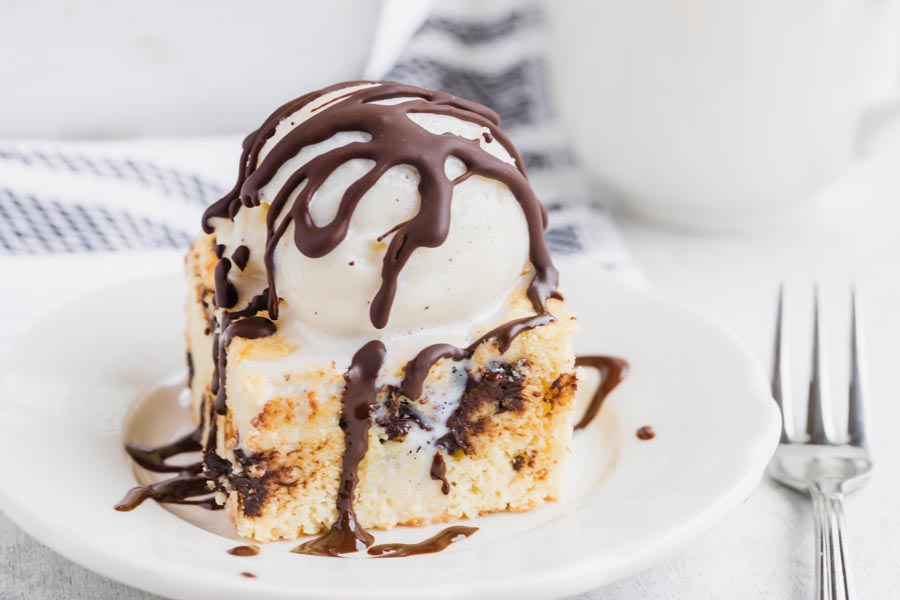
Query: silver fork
[{"x": 821, "y": 463}]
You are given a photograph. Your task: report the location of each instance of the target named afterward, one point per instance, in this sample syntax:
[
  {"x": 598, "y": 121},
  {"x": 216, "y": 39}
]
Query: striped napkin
[{"x": 98, "y": 197}]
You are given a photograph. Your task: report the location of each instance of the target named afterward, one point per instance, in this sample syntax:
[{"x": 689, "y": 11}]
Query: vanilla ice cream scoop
[{"x": 381, "y": 206}]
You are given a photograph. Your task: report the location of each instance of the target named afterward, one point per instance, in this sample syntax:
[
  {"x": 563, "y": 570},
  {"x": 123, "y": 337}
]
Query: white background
[
  {"x": 710, "y": 113},
  {"x": 93, "y": 68},
  {"x": 98, "y": 68}
]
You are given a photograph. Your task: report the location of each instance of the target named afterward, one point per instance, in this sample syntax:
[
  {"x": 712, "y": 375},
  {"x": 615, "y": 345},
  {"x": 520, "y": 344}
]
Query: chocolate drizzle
[
  {"x": 198, "y": 478},
  {"x": 498, "y": 386},
  {"x": 395, "y": 140},
  {"x": 184, "y": 488},
  {"x": 247, "y": 326},
  {"x": 645, "y": 433},
  {"x": 240, "y": 257},
  {"x": 154, "y": 459},
  {"x": 250, "y": 328},
  {"x": 248, "y": 550},
  {"x": 243, "y": 323},
  {"x": 506, "y": 333},
  {"x": 433, "y": 544},
  {"x": 346, "y": 534},
  {"x": 417, "y": 369},
  {"x": 398, "y": 415},
  {"x": 190, "y": 369},
  {"x": 226, "y": 293},
  {"x": 177, "y": 490},
  {"x": 612, "y": 371},
  {"x": 439, "y": 472}
]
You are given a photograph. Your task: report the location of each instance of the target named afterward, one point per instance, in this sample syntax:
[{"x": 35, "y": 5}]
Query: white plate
[{"x": 68, "y": 394}]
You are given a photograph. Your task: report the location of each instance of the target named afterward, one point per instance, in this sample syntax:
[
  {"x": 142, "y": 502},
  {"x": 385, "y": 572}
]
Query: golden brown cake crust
[{"x": 504, "y": 450}]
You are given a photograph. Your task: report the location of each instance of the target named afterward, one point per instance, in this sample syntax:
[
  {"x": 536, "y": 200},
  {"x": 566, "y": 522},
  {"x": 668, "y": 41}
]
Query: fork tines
[{"x": 819, "y": 420}]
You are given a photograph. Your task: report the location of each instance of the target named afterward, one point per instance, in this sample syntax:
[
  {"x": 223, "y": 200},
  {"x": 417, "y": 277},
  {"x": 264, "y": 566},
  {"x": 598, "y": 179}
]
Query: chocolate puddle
[
  {"x": 154, "y": 459},
  {"x": 645, "y": 433},
  {"x": 248, "y": 550},
  {"x": 431, "y": 545},
  {"x": 180, "y": 489},
  {"x": 612, "y": 371},
  {"x": 184, "y": 488}
]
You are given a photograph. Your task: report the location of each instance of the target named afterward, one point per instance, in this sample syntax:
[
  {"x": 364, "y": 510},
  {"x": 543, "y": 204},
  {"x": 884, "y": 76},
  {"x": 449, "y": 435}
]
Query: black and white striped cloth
[{"x": 93, "y": 197}]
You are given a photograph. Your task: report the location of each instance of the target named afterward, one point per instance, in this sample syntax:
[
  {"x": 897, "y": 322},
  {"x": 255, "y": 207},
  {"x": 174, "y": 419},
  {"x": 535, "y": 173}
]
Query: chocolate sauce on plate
[
  {"x": 177, "y": 490},
  {"x": 154, "y": 459},
  {"x": 645, "y": 433},
  {"x": 432, "y": 544},
  {"x": 612, "y": 371},
  {"x": 186, "y": 487},
  {"x": 248, "y": 550}
]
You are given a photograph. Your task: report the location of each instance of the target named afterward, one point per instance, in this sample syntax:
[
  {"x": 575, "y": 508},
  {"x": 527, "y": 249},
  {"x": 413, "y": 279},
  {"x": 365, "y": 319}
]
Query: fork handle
[{"x": 831, "y": 558}]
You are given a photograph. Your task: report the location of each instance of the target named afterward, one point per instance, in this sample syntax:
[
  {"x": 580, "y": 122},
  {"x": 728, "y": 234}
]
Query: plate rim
[{"x": 573, "y": 578}]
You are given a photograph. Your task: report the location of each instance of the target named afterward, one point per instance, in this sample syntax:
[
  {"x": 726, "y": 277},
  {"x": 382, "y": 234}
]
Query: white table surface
[{"x": 764, "y": 550}]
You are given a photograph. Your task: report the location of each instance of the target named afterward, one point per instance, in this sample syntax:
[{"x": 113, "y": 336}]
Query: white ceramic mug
[{"x": 721, "y": 114}]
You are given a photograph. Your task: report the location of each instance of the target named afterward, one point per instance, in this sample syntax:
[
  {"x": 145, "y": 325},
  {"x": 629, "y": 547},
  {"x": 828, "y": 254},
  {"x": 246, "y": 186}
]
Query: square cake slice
[
  {"x": 374, "y": 324},
  {"x": 486, "y": 434}
]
